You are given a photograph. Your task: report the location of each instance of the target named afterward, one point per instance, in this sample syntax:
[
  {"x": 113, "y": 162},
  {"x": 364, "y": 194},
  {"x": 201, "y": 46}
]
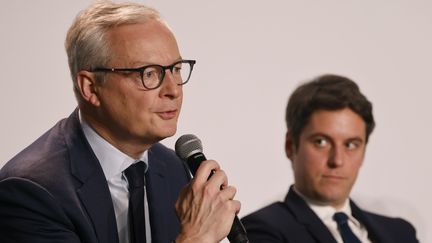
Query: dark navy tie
[
  {"x": 346, "y": 233},
  {"x": 135, "y": 176}
]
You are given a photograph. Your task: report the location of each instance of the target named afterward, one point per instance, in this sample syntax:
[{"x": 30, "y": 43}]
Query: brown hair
[{"x": 326, "y": 92}]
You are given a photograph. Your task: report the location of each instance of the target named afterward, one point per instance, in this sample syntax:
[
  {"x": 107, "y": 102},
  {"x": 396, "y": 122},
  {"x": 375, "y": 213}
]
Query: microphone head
[{"x": 188, "y": 145}]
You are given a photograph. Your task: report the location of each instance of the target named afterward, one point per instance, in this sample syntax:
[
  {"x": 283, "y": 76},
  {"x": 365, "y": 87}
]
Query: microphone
[{"x": 189, "y": 148}]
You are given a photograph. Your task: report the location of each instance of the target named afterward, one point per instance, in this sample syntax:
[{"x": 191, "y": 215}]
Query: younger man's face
[{"x": 330, "y": 152}]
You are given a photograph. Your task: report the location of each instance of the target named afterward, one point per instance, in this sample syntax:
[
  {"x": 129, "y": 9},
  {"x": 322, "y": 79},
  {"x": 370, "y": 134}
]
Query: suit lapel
[
  {"x": 94, "y": 192},
  {"x": 158, "y": 197},
  {"x": 308, "y": 218},
  {"x": 98, "y": 205},
  {"x": 375, "y": 232}
]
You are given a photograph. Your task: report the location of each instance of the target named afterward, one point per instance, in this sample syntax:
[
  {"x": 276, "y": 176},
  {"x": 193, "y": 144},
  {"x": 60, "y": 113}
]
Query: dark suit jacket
[
  {"x": 292, "y": 221},
  {"x": 55, "y": 191}
]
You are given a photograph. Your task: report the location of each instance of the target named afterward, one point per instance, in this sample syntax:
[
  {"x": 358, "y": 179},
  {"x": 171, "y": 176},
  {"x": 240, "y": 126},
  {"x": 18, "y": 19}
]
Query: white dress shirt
[
  {"x": 325, "y": 213},
  {"x": 113, "y": 163}
]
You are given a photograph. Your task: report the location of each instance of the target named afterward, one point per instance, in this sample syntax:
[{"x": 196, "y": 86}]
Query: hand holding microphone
[{"x": 206, "y": 205}]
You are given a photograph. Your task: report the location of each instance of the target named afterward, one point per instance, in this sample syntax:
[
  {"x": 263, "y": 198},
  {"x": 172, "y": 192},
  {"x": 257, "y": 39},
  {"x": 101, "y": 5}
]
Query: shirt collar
[
  {"x": 326, "y": 212},
  {"x": 112, "y": 160}
]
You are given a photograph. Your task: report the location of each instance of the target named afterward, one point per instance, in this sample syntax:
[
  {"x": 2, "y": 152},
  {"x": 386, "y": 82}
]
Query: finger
[
  {"x": 219, "y": 179},
  {"x": 205, "y": 170},
  {"x": 235, "y": 205},
  {"x": 183, "y": 196},
  {"x": 230, "y": 208},
  {"x": 228, "y": 193},
  {"x": 212, "y": 187}
]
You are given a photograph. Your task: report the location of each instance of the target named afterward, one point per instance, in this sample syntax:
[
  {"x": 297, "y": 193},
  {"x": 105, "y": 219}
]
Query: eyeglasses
[{"x": 153, "y": 75}]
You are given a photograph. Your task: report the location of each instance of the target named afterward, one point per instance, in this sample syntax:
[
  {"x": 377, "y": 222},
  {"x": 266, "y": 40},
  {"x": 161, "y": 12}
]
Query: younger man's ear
[
  {"x": 289, "y": 145},
  {"x": 87, "y": 85}
]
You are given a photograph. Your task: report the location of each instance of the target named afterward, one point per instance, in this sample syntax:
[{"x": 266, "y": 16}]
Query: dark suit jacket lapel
[
  {"x": 158, "y": 197},
  {"x": 375, "y": 231},
  {"x": 308, "y": 218},
  {"x": 93, "y": 192}
]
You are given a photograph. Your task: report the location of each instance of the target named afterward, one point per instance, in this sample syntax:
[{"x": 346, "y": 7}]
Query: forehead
[
  {"x": 343, "y": 123},
  {"x": 151, "y": 42}
]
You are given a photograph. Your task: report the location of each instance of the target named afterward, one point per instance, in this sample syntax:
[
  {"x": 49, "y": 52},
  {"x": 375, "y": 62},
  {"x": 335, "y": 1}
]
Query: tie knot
[
  {"x": 340, "y": 218},
  {"x": 135, "y": 174}
]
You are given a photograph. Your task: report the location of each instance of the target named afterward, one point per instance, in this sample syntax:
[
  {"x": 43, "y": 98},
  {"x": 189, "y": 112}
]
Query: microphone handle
[{"x": 237, "y": 233}]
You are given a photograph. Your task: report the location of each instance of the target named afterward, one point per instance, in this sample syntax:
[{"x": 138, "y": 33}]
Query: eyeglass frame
[{"x": 142, "y": 69}]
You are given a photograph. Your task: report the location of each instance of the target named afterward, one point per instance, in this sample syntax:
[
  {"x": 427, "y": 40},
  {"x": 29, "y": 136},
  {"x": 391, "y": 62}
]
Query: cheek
[
  {"x": 356, "y": 162},
  {"x": 114, "y": 95},
  {"x": 307, "y": 164},
  {"x": 313, "y": 159},
  {"x": 142, "y": 103},
  {"x": 355, "y": 167},
  {"x": 180, "y": 100}
]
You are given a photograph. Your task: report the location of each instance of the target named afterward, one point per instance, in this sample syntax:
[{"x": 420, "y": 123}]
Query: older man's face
[{"x": 129, "y": 115}]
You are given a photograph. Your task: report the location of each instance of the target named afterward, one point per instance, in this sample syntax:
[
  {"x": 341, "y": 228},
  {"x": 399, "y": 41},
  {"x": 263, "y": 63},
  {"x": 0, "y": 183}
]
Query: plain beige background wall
[{"x": 250, "y": 56}]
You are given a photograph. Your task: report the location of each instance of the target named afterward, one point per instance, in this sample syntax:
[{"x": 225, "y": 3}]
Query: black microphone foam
[{"x": 189, "y": 148}]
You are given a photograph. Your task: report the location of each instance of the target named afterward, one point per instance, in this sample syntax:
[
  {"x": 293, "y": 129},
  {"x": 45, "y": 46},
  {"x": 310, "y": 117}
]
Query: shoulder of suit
[
  {"x": 42, "y": 161},
  {"x": 270, "y": 213},
  {"x": 161, "y": 151}
]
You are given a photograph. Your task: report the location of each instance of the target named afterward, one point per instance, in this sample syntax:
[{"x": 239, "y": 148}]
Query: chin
[
  {"x": 166, "y": 132},
  {"x": 334, "y": 198}
]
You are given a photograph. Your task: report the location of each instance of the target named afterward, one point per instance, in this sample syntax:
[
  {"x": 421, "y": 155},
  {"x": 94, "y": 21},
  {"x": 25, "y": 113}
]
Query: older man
[{"x": 101, "y": 175}]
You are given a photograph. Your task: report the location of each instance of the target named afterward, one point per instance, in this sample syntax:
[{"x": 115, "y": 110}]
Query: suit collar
[
  {"x": 375, "y": 231},
  {"x": 112, "y": 160},
  {"x": 83, "y": 161},
  {"x": 93, "y": 191},
  {"x": 313, "y": 224},
  {"x": 155, "y": 164},
  {"x": 157, "y": 196},
  {"x": 308, "y": 218}
]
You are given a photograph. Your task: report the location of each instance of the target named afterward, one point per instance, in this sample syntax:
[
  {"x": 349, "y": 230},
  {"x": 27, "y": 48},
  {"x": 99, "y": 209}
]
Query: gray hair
[{"x": 86, "y": 44}]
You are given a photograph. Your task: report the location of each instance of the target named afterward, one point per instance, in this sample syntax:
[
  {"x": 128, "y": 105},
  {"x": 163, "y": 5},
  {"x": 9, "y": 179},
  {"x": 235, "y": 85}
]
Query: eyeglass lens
[{"x": 152, "y": 76}]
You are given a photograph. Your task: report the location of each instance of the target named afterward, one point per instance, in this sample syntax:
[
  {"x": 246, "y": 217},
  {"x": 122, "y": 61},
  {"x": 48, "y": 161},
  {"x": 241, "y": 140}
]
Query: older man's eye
[
  {"x": 150, "y": 74},
  {"x": 177, "y": 69}
]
